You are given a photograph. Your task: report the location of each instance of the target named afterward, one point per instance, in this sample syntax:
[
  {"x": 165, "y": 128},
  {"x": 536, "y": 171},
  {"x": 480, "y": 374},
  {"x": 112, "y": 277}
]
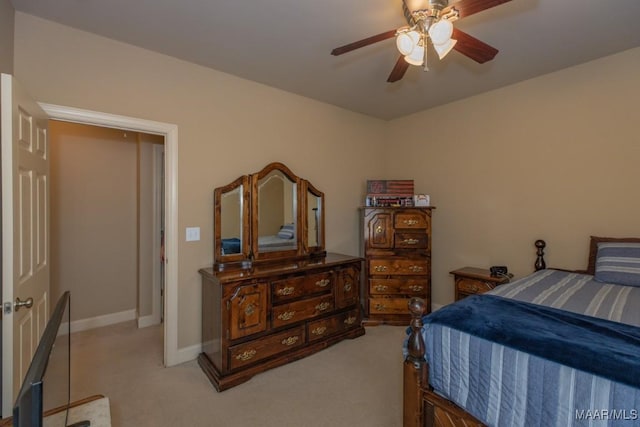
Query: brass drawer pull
[
  {"x": 323, "y": 306},
  {"x": 246, "y": 355},
  {"x": 410, "y": 221},
  {"x": 416, "y": 288},
  {"x": 290, "y": 341},
  {"x": 347, "y": 286},
  {"x": 381, "y": 268},
  {"x": 380, "y": 307},
  {"x": 410, "y": 241},
  {"x": 319, "y": 330},
  {"x": 323, "y": 283},
  {"x": 416, "y": 268},
  {"x": 379, "y": 229},
  {"x": 250, "y": 310},
  {"x": 350, "y": 320},
  {"x": 381, "y": 288},
  {"x": 287, "y": 315},
  {"x": 287, "y": 290}
]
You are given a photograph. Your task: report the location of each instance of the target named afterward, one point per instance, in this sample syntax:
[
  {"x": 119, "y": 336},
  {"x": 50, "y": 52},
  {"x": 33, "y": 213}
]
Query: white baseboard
[
  {"x": 150, "y": 320},
  {"x": 188, "y": 354},
  {"x": 104, "y": 320}
]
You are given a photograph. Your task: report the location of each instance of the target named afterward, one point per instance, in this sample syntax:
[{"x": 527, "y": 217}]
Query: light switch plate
[{"x": 193, "y": 234}]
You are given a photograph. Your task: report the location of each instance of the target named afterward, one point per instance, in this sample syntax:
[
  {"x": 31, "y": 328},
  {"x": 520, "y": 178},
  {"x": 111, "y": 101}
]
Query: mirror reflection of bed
[{"x": 276, "y": 213}]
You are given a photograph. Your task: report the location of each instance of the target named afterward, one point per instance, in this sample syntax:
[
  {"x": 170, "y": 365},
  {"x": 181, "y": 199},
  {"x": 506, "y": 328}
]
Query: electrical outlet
[{"x": 193, "y": 234}]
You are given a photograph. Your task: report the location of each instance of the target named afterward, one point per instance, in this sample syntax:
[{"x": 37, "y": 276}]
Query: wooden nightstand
[{"x": 471, "y": 280}]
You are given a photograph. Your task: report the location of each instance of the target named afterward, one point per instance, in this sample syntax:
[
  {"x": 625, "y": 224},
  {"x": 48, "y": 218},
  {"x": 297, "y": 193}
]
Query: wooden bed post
[
  {"x": 540, "y": 264},
  {"x": 415, "y": 368}
]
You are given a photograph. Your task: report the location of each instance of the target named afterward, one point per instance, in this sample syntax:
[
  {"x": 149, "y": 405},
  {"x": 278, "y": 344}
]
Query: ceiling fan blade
[
  {"x": 472, "y": 47},
  {"x": 362, "y": 43},
  {"x": 398, "y": 70},
  {"x": 469, "y": 7}
]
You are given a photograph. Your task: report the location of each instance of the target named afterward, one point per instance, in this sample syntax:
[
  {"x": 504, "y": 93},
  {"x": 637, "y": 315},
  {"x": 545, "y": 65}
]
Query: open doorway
[
  {"x": 170, "y": 132},
  {"x": 106, "y": 223}
]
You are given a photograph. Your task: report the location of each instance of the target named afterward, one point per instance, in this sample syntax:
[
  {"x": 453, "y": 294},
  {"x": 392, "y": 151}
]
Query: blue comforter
[
  {"x": 601, "y": 347},
  {"x": 547, "y": 384}
]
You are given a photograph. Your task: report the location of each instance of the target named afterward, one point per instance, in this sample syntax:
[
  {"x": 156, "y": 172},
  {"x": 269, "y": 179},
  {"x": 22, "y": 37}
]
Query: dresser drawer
[
  {"x": 296, "y": 287},
  {"x": 250, "y": 352},
  {"x": 409, "y": 286},
  {"x": 411, "y": 220},
  {"x": 328, "y": 326},
  {"x": 411, "y": 240},
  {"x": 301, "y": 310},
  {"x": 471, "y": 286},
  {"x": 389, "y": 305},
  {"x": 398, "y": 266}
]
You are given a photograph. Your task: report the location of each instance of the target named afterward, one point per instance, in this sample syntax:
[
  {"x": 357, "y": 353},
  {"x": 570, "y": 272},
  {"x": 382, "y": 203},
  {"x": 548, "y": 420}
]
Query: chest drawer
[
  {"x": 471, "y": 286},
  {"x": 330, "y": 325},
  {"x": 388, "y": 305},
  {"x": 410, "y": 240},
  {"x": 407, "y": 286},
  {"x": 301, "y": 310},
  {"x": 398, "y": 266},
  {"x": 296, "y": 287},
  {"x": 417, "y": 220},
  {"x": 244, "y": 354}
]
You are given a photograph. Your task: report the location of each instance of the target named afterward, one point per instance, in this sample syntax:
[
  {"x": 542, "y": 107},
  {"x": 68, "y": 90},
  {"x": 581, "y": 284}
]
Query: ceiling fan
[{"x": 431, "y": 20}]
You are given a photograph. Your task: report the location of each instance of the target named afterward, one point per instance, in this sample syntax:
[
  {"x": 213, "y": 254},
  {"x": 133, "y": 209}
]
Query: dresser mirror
[
  {"x": 275, "y": 211},
  {"x": 231, "y": 215},
  {"x": 268, "y": 215}
]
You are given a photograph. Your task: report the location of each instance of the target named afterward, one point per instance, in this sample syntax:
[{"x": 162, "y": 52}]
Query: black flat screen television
[{"x": 47, "y": 385}]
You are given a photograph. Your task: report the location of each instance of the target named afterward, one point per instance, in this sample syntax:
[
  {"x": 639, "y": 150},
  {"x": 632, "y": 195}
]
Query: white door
[{"x": 25, "y": 233}]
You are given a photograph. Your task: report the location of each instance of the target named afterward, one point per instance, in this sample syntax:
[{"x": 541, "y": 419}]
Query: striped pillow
[
  {"x": 618, "y": 263},
  {"x": 287, "y": 231}
]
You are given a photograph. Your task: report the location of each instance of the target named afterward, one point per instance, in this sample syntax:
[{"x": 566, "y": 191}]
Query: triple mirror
[{"x": 268, "y": 215}]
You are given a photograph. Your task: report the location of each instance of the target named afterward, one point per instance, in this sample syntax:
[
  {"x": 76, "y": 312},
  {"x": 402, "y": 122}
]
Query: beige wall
[
  {"x": 93, "y": 218},
  {"x": 554, "y": 157},
  {"x": 7, "y": 15},
  {"x": 227, "y": 127}
]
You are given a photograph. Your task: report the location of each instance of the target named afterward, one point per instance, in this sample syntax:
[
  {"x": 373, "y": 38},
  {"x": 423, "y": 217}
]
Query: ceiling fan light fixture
[
  {"x": 416, "y": 57},
  {"x": 441, "y": 32},
  {"x": 407, "y": 41},
  {"x": 443, "y": 49}
]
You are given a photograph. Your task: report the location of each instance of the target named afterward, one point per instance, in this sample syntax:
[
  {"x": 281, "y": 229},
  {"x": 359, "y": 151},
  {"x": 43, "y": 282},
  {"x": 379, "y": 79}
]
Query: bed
[{"x": 556, "y": 348}]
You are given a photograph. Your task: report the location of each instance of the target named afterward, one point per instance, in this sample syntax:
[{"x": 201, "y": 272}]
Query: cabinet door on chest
[
  {"x": 247, "y": 309},
  {"x": 380, "y": 230},
  {"x": 347, "y": 287}
]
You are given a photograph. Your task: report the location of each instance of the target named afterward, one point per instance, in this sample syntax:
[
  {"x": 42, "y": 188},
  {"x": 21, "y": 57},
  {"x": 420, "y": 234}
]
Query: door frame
[{"x": 170, "y": 133}]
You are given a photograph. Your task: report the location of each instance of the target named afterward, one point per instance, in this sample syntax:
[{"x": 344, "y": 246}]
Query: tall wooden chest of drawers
[
  {"x": 275, "y": 313},
  {"x": 397, "y": 250}
]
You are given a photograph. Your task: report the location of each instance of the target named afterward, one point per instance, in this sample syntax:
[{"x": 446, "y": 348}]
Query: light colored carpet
[{"x": 353, "y": 383}]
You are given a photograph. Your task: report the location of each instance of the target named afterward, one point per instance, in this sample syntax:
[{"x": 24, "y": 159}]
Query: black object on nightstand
[{"x": 472, "y": 280}]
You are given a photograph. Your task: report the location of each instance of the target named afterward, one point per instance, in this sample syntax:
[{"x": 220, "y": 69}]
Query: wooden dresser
[
  {"x": 397, "y": 250},
  {"x": 275, "y": 313}
]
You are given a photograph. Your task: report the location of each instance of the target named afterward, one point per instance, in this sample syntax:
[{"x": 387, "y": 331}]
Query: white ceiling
[{"x": 287, "y": 43}]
